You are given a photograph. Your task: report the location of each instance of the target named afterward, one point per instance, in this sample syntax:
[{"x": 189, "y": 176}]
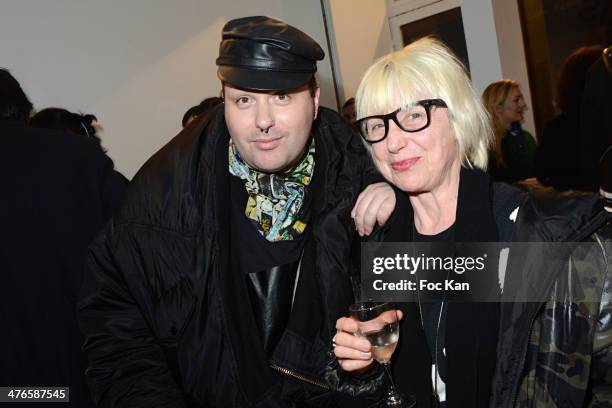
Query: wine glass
[{"x": 377, "y": 323}]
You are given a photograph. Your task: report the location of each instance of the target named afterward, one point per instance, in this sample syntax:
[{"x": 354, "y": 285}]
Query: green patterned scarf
[{"x": 274, "y": 200}]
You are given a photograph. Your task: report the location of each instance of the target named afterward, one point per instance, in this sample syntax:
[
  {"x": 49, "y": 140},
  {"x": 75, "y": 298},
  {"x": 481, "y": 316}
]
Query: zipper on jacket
[{"x": 293, "y": 374}]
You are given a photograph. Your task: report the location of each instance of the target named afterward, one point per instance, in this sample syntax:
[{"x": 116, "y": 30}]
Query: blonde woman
[
  {"x": 514, "y": 148},
  {"x": 429, "y": 136}
]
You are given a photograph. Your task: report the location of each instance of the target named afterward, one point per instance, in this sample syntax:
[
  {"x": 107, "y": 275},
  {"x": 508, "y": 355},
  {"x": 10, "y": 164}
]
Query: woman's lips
[{"x": 404, "y": 165}]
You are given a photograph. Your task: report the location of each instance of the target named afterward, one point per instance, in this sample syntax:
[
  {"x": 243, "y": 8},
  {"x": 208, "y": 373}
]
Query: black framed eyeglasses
[{"x": 411, "y": 119}]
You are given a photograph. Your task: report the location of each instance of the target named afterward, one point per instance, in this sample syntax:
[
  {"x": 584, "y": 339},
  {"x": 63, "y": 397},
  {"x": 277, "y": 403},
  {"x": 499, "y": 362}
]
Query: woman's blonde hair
[
  {"x": 493, "y": 97},
  {"x": 428, "y": 69}
]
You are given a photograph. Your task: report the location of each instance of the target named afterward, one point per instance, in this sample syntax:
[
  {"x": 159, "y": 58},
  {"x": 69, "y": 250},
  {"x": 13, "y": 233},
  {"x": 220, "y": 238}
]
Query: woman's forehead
[{"x": 397, "y": 100}]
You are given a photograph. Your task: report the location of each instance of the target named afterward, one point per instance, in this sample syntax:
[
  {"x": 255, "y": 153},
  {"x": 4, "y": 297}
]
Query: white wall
[
  {"x": 495, "y": 46},
  {"x": 492, "y": 31},
  {"x": 137, "y": 65},
  {"x": 481, "y": 40},
  {"x": 512, "y": 51},
  {"x": 361, "y": 33}
]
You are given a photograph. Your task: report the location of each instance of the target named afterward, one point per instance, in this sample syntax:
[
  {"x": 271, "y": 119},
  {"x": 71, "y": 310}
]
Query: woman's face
[
  {"x": 422, "y": 161},
  {"x": 513, "y": 108}
]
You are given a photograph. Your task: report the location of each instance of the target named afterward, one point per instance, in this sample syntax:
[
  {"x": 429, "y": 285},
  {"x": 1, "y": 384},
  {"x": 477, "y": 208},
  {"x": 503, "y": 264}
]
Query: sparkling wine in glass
[
  {"x": 379, "y": 325},
  {"x": 383, "y": 341}
]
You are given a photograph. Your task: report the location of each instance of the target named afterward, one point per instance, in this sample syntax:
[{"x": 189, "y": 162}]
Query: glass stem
[{"x": 387, "y": 367}]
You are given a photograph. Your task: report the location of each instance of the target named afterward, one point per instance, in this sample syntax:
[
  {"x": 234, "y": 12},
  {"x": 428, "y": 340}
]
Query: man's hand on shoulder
[{"x": 374, "y": 205}]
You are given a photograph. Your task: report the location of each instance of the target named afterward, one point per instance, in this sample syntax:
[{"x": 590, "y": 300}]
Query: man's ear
[{"x": 316, "y": 101}]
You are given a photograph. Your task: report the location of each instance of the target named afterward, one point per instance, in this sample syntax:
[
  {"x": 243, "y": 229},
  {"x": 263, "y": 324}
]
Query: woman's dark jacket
[
  {"x": 165, "y": 324},
  {"x": 470, "y": 328},
  {"x": 553, "y": 353}
]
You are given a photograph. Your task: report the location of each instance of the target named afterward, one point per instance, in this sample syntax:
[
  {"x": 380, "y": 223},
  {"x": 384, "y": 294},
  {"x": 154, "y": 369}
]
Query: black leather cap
[{"x": 265, "y": 54}]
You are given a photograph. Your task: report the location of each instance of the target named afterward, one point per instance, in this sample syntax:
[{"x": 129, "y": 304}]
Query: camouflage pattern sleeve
[
  {"x": 601, "y": 370},
  {"x": 568, "y": 362}
]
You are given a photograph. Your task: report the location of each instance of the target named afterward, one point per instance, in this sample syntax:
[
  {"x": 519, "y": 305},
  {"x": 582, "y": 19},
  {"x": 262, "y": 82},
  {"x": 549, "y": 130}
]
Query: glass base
[{"x": 395, "y": 401}]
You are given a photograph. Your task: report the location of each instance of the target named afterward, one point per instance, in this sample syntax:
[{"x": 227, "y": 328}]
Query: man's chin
[{"x": 271, "y": 167}]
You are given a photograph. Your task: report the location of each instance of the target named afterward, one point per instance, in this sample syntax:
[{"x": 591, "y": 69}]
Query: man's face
[{"x": 270, "y": 130}]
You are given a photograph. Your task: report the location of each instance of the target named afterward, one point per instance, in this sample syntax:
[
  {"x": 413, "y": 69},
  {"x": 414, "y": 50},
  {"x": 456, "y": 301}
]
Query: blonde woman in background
[{"x": 513, "y": 150}]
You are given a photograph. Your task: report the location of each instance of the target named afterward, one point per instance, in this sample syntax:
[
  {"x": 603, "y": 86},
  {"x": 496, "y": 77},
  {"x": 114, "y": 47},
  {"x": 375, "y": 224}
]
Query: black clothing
[
  {"x": 595, "y": 123},
  {"x": 518, "y": 148},
  {"x": 166, "y": 322},
  {"x": 470, "y": 330},
  {"x": 434, "y": 312},
  {"x": 552, "y": 352},
  {"x": 557, "y": 161},
  {"x": 270, "y": 269},
  {"x": 58, "y": 190},
  {"x": 544, "y": 216},
  {"x": 253, "y": 252}
]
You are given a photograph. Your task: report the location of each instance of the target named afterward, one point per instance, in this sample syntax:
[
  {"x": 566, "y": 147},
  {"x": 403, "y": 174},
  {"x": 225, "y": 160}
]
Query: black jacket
[
  {"x": 163, "y": 326},
  {"x": 57, "y": 191},
  {"x": 470, "y": 328},
  {"x": 548, "y": 353},
  {"x": 557, "y": 352}
]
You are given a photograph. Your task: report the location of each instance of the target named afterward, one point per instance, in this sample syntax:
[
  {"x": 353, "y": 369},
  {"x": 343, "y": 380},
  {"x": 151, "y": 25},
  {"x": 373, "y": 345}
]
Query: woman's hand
[
  {"x": 354, "y": 353},
  {"x": 374, "y": 205}
]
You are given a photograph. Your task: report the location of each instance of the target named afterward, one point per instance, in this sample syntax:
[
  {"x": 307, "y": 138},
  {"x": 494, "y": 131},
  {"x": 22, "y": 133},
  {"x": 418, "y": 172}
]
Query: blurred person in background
[
  {"x": 557, "y": 160},
  {"x": 513, "y": 149},
  {"x": 348, "y": 111},
  {"x": 596, "y": 119},
  {"x": 58, "y": 191},
  {"x": 76, "y": 123},
  {"x": 62, "y": 119},
  {"x": 203, "y": 107}
]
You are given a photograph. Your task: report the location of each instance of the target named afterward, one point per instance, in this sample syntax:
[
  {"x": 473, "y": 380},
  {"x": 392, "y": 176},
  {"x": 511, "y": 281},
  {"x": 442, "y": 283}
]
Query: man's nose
[{"x": 265, "y": 117}]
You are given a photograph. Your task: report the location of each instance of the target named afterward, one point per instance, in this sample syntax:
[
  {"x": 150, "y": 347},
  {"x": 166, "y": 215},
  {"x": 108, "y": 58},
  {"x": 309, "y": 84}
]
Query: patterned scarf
[{"x": 274, "y": 200}]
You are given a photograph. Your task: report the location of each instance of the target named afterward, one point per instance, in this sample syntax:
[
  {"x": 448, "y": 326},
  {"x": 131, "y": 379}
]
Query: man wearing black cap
[{"x": 220, "y": 281}]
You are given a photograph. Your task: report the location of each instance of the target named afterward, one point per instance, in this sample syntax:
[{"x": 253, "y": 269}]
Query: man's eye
[
  {"x": 242, "y": 100},
  {"x": 282, "y": 98}
]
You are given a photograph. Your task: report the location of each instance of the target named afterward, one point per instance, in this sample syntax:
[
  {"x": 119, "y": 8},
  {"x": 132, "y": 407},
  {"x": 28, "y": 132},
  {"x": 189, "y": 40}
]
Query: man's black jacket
[{"x": 164, "y": 329}]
